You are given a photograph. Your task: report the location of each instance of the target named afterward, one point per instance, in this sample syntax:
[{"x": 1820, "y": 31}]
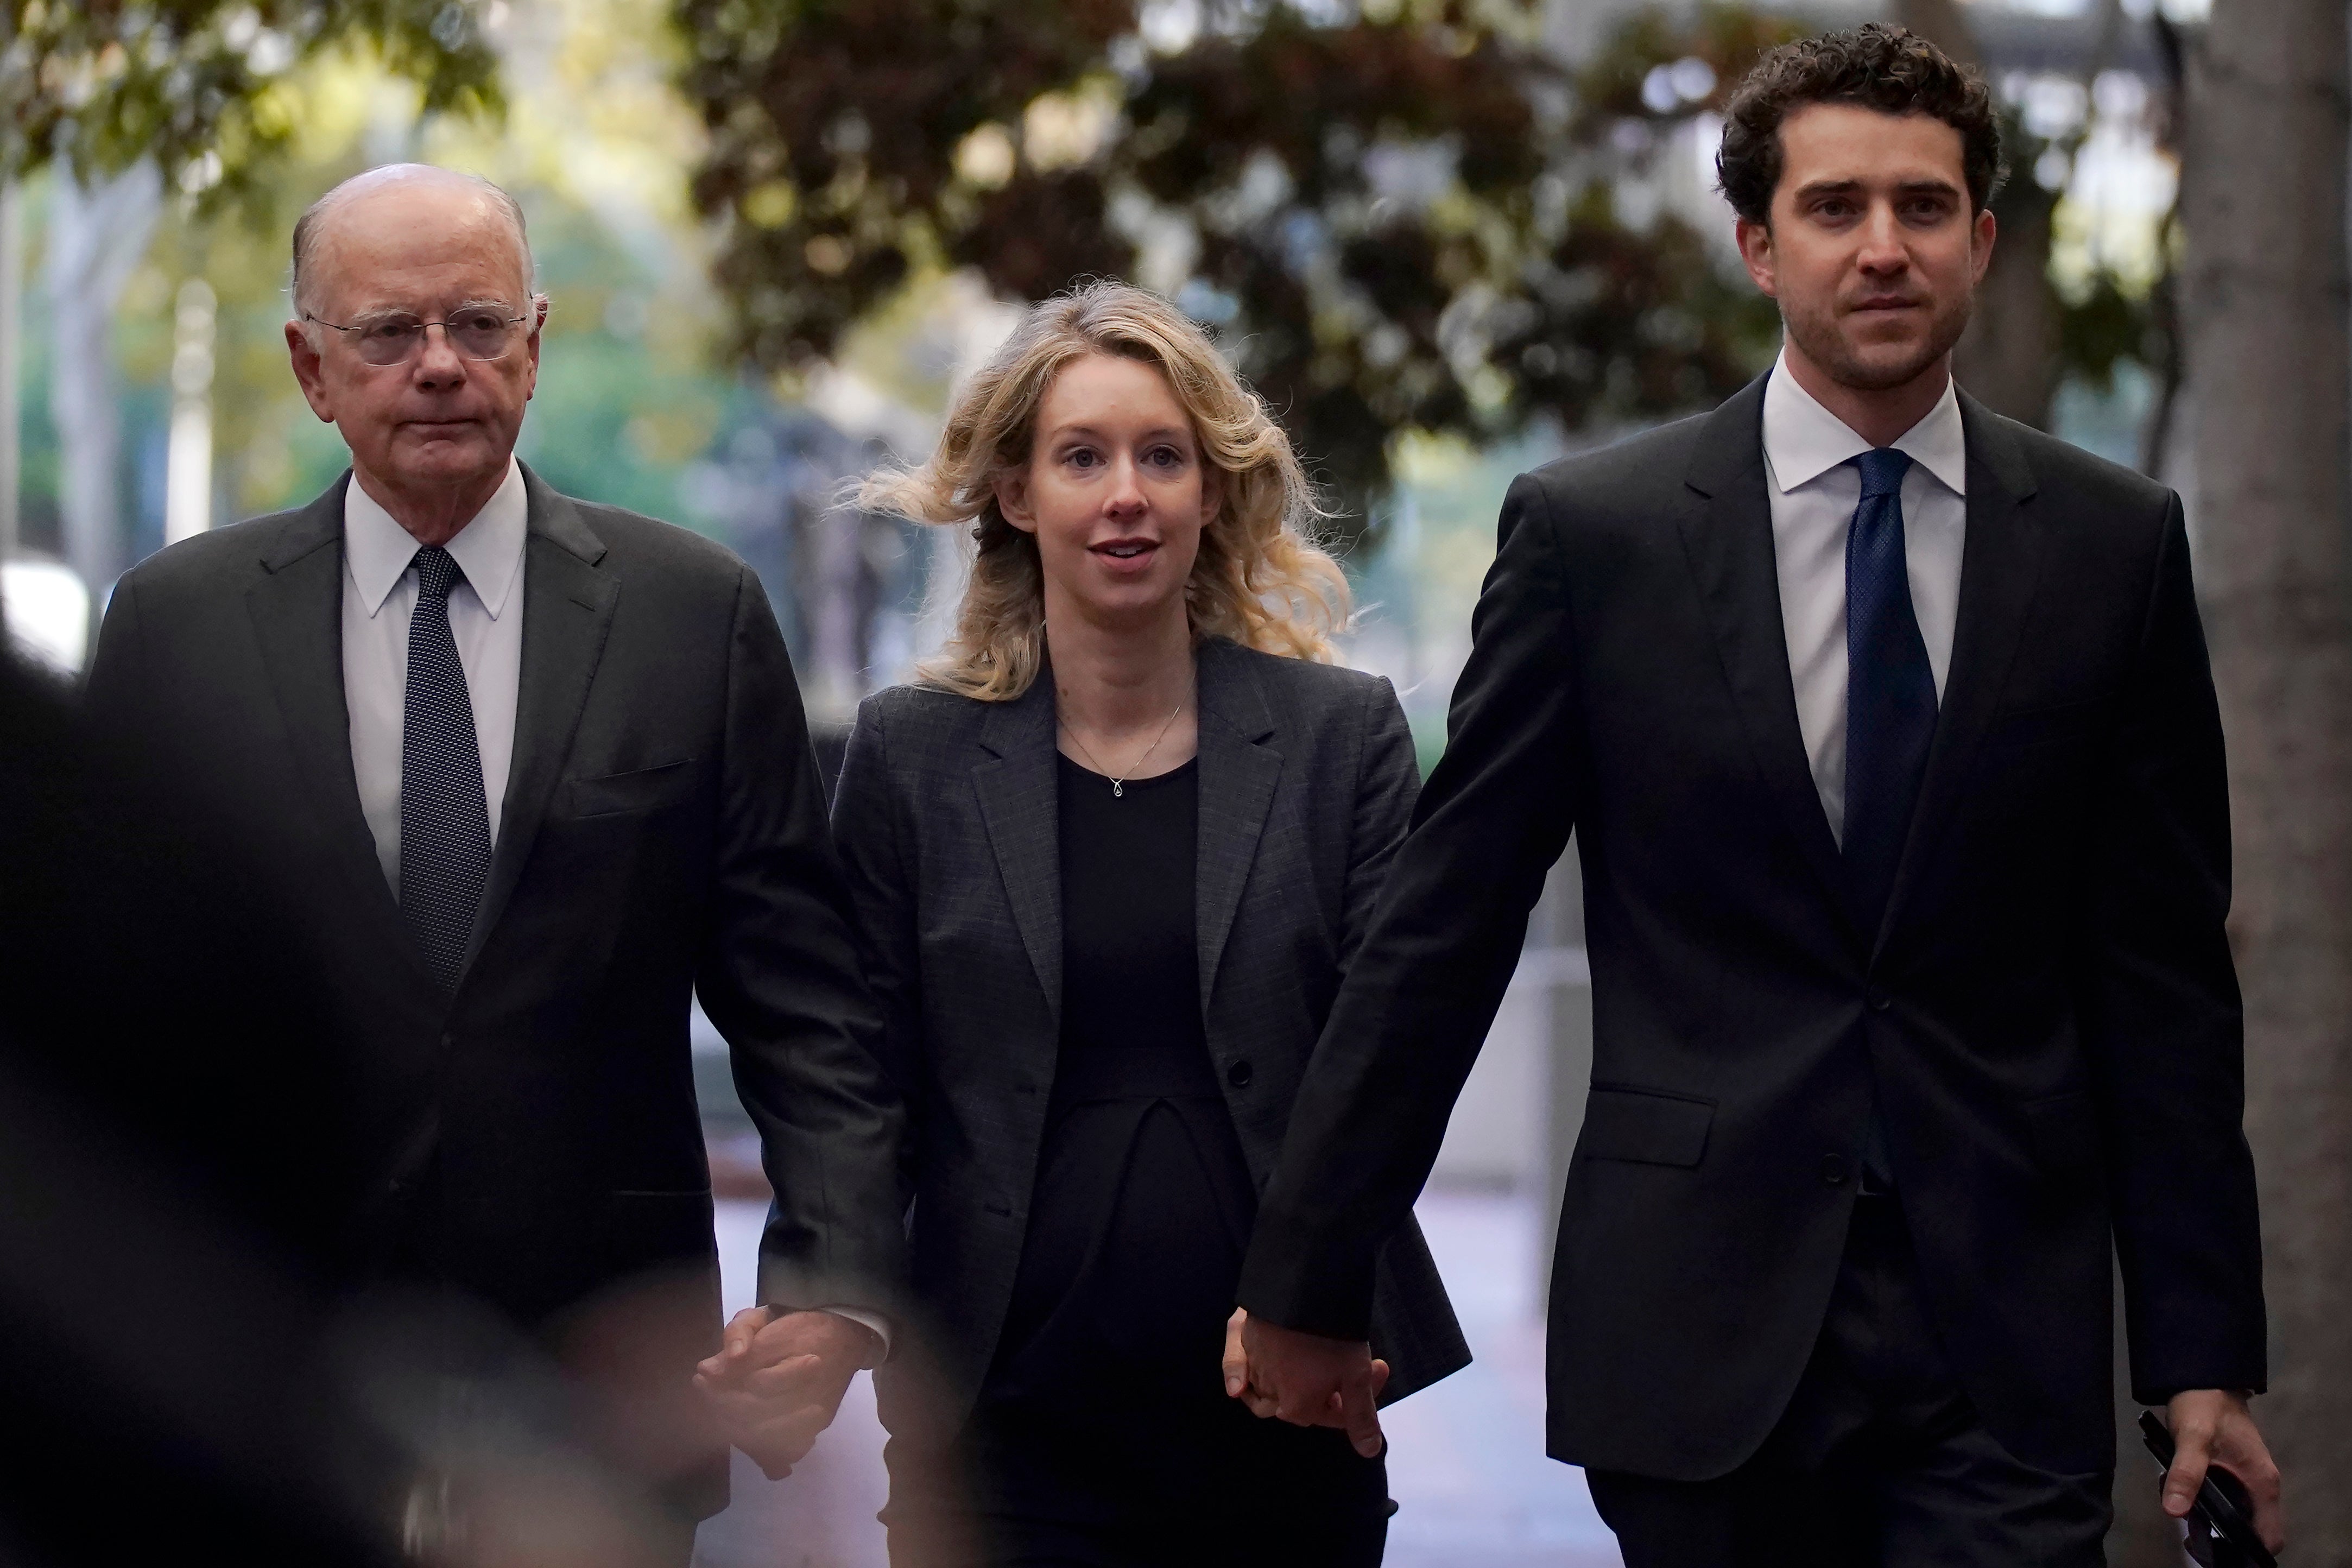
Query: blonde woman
[{"x": 1110, "y": 859}]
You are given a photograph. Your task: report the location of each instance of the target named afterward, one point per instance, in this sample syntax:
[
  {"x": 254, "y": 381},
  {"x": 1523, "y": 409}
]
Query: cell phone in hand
[{"x": 2222, "y": 1520}]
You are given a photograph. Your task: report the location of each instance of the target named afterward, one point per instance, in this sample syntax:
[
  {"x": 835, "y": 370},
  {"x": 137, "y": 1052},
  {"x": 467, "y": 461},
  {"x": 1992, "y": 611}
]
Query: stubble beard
[{"x": 1817, "y": 335}]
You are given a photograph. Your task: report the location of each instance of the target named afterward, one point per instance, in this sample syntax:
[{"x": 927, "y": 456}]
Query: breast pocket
[
  {"x": 1644, "y": 1127},
  {"x": 640, "y": 789}
]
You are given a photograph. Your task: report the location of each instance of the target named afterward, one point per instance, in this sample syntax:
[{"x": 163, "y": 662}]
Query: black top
[
  {"x": 1104, "y": 1406},
  {"x": 1130, "y": 962}
]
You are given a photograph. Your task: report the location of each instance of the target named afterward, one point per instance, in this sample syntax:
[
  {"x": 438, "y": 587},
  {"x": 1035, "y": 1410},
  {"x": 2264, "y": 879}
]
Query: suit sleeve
[
  {"x": 780, "y": 977},
  {"x": 1444, "y": 937},
  {"x": 2162, "y": 1019},
  {"x": 866, "y": 829},
  {"x": 1387, "y": 778}
]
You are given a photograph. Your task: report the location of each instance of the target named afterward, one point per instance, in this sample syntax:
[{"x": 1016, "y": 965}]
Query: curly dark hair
[{"x": 1890, "y": 69}]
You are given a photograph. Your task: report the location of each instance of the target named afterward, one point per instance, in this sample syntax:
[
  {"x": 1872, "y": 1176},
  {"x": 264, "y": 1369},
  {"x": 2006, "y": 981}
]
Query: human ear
[
  {"x": 310, "y": 370},
  {"x": 1756, "y": 251},
  {"x": 1012, "y": 500},
  {"x": 1987, "y": 230},
  {"x": 530, "y": 343}
]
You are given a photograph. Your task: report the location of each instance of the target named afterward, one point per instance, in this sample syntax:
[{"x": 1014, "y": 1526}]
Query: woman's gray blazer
[{"x": 946, "y": 820}]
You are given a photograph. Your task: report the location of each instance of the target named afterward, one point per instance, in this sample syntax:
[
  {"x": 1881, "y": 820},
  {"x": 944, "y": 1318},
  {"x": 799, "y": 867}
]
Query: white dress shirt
[
  {"x": 1814, "y": 490},
  {"x": 485, "y": 619}
]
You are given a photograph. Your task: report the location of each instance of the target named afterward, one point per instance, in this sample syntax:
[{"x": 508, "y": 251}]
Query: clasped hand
[
  {"x": 1305, "y": 1379},
  {"x": 778, "y": 1379}
]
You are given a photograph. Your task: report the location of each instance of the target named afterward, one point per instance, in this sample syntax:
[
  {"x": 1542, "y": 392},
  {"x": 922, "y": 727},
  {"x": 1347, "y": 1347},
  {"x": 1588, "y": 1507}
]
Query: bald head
[
  {"x": 392, "y": 195},
  {"x": 418, "y": 337}
]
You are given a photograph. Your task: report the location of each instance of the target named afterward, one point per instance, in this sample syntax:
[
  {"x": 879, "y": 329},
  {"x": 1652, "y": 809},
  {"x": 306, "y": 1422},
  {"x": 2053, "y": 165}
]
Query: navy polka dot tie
[
  {"x": 1890, "y": 703},
  {"x": 445, "y": 818}
]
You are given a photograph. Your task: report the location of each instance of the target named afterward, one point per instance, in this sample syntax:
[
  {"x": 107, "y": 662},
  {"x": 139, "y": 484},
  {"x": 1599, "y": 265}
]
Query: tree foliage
[
  {"x": 190, "y": 83},
  {"x": 1395, "y": 215}
]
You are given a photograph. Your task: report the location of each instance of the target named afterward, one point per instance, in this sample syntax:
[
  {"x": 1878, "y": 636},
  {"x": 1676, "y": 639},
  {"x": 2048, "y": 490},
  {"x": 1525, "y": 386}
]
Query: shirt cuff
[{"x": 876, "y": 1321}]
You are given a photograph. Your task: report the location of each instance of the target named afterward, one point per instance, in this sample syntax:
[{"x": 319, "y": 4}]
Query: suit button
[
  {"x": 1833, "y": 1169},
  {"x": 1879, "y": 1002},
  {"x": 1239, "y": 1075}
]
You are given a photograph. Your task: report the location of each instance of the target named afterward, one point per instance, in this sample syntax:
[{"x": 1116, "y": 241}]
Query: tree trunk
[
  {"x": 12, "y": 292},
  {"x": 2265, "y": 302},
  {"x": 2008, "y": 356},
  {"x": 96, "y": 235}
]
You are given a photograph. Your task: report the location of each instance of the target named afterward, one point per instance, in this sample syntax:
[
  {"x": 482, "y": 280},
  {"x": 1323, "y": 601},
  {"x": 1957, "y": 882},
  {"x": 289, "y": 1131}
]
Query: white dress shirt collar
[
  {"x": 487, "y": 549},
  {"x": 1804, "y": 440}
]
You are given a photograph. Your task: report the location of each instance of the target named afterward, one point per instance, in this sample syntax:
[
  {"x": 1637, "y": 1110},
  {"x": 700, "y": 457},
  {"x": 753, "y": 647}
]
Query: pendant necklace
[{"x": 1119, "y": 786}]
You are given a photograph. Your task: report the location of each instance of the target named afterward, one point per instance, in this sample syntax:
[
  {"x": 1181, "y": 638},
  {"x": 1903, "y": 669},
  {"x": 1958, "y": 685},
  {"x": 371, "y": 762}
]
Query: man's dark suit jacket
[
  {"x": 533, "y": 1139},
  {"x": 947, "y": 818},
  {"x": 2048, "y": 1011}
]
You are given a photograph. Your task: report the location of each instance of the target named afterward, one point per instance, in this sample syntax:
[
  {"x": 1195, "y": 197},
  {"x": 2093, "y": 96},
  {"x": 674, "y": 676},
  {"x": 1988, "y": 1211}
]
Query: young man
[{"x": 1887, "y": 731}]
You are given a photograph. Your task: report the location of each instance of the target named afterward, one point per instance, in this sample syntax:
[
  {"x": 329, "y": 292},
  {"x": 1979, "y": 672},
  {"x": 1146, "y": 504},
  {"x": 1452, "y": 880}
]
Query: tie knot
[
  {"x": 436, "y": 573},
  {"x": 1882, "y": 468}
]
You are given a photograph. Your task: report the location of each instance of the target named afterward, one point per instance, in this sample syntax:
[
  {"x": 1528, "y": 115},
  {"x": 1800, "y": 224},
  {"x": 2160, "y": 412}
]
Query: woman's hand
[
  {"x": 778, "y": 1379},
  {"x": 1305, "y": 1379}
]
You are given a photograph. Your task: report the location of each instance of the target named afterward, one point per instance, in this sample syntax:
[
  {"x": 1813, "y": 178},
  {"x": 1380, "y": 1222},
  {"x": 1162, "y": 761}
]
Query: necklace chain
[{"x": 1119, "y": 783}]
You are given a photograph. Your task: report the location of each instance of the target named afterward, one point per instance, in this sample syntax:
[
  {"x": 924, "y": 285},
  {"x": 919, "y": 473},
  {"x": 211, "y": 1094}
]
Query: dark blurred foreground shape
[
  {"x": 192, "y": 1357},
  {"x": 168, "y": 1162}
]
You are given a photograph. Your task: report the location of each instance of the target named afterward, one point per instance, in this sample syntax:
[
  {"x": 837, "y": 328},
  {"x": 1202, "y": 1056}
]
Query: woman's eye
[{"x": 1082, "y": 458}]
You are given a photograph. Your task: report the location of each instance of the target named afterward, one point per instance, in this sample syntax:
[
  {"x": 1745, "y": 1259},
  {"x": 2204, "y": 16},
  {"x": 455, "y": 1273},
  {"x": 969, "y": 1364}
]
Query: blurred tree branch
[
  {"x": 1400, "y": 215},
  {"x": 192, "y": 84}
]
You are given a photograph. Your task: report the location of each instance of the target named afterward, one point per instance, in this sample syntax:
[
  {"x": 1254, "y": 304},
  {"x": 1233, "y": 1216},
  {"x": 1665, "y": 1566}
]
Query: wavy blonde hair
[{"x": 1261, "y": 577}]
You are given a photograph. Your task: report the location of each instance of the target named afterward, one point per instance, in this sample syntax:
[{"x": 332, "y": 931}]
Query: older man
[{"x": 536, "y": 771}]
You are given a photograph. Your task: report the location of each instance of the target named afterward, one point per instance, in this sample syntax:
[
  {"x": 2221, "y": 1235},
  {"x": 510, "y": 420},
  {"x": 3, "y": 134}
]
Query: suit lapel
[
  {"x": 1728, "y": 534},
  {"x": 1237, "y": 778},
  {"x": 1020, "y": 802},
  {"x": 567, "y": 610},
  {"x": 2000, "y": 566},
  {"x": 297, "y": 612}
]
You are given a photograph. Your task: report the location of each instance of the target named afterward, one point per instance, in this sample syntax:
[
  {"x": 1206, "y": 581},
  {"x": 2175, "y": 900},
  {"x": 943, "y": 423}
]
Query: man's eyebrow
[{"x": 1933, "y": 184}]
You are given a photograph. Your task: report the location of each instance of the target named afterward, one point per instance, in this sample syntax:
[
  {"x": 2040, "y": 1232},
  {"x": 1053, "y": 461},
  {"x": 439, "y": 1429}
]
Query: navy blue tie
[
  {"x": 445, "y": 816},
  {"x": 1890, "y": 703}
]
